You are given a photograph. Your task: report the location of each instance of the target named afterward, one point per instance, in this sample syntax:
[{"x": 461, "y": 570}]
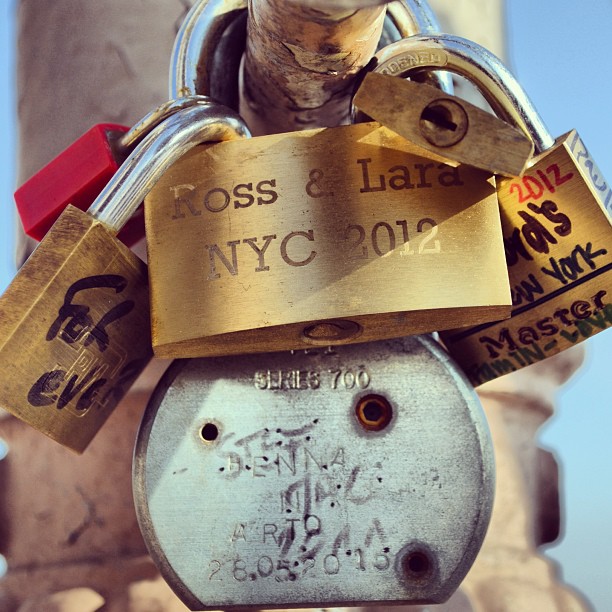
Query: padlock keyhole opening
[
  {"x": 443, "y": 123},
  {"x": 374, "y": 412},
  {"x": 440, "y": 116},
  {"x": 209, "y": 432}
]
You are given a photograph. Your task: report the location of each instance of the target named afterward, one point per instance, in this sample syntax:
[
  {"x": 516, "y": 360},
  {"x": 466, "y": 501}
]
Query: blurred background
[{"x": 559, "y": 50}]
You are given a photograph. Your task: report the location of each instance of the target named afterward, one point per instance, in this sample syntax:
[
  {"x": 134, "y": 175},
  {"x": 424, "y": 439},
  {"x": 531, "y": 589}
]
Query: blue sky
[{"x": 560, "y": 50}]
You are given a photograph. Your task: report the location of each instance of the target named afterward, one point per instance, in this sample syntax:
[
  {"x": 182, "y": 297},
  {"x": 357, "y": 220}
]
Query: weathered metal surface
[
  {"x": 74, "y": 330},
  {"x": 274, "y": 480}
]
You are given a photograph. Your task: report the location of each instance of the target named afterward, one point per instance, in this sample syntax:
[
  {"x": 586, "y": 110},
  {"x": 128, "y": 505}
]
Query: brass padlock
[
  {"x": 325, "y": 236},
  {"x": 444, "y": 124},
  {"x": 351, "y": 475},
  {"x": 555, "y": 219},
  {"x": 228, "y": 308},
  {"x": 74, "y": 331}
]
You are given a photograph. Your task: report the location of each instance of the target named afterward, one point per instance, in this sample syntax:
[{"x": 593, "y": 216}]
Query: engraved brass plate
[
  {"x": 557, "y": 235},
  {"x": 320, "y": 478},
  {"x": 74, "y": 330},
  {"x": 319, "y": 237}
]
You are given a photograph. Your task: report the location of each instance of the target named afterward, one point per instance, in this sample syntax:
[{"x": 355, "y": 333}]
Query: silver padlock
[{"x": 362, "y": 473}]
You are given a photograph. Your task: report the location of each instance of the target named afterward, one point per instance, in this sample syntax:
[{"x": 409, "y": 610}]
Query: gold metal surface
[
  {"x": 487, "y": 142},
  {"x": 557, "y": 237},
  {"x": 326, "y": 236},
  {"x": 74, "y": 330}
]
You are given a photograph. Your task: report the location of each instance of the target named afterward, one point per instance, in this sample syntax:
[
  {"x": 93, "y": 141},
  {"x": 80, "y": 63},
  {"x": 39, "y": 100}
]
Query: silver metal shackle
[
  {"x": 150, "y": 121},
  {"x": 172, "y": 138},
  {"x": 211, "y": 40},
  {"x": 481, "y": 67},
  {"x": 195, "y": 60}
]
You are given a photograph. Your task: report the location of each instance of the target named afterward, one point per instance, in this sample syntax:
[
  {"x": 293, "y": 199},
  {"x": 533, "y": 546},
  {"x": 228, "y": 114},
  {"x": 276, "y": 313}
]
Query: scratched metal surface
[{"x": 294, "y": 503}]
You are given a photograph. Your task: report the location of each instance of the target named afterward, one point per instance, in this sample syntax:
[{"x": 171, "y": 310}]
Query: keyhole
[
  {"x": 440, "y": 116},
  {"x": 443, "y": 122}
]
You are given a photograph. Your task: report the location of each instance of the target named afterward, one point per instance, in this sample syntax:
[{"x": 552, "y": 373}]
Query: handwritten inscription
[
  {"x": 344, "y": 552},
  {"x": 565, "y": 270},
  {"x": 92, "y": 379},
  {"x": 279, "y": 461},
  {"x": 541, "y": 226},
  {"x": 75, "y": 318},
  {"x": 531, "y": 187},
  {"x": 512, "y": 351},
  {"x": 548, "y": 326},
  {"x": 300, "y": 530}
]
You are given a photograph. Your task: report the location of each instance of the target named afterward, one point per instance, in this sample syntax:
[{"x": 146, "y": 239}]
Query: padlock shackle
[
  {"x": 472, "y": 61},
  {"x": 195, "y": 45},
  {"x": 412, "y": 17},
  {"x": 150, "y": 121},
  {"x": 157, "y": 152},
  {"x": 195, "y": 61}
]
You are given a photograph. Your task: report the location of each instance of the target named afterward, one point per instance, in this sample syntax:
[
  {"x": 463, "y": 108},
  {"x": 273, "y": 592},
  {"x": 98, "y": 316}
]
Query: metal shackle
[
  {"x": 150, "y": 121},
  {"x": 211, "y": 41},
  {"x": 165, "y": 144},
  {"x": 477, "y": 64}
]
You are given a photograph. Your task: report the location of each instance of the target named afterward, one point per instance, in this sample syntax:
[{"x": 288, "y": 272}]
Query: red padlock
[{"x": 76, "y": 176}]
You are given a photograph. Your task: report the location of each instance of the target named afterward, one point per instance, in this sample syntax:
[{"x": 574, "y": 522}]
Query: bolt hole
[
  {"x": 373, "y": 412},
  {"x": 210, "y": 432},
  {"x": 417, "y": 564}
]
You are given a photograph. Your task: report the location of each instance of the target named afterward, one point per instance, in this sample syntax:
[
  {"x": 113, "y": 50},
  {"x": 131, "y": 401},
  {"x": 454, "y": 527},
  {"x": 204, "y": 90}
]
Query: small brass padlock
[
  {"x": 74, "y": 331},
  {"x": 555, "y": 219},
  {"x": 444, "y": 124},
  {"x": 337, "y": 476}
]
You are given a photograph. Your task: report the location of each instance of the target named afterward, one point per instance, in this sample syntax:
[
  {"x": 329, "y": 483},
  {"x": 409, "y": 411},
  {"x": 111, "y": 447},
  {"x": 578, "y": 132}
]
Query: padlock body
[
  {"x": 558, "y": 241},
  {"x": 340, "y": 476},
  {"x": 76, "y": 176},
  {"x": 74, "y": 331},
  {"x": 318, "y": 237},
  {"x": 444, "y": 124}
]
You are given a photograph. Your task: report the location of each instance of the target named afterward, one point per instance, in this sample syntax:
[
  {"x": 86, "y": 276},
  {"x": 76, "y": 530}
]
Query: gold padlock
[
  {"x": 444, "y": 124},
  {"x": 555, "y": 219},
  {"x": 74, "y": 330},
  {"x": 327, "y": 236}
]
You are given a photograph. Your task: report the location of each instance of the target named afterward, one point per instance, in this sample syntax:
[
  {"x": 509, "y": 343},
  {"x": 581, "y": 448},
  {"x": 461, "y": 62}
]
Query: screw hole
[
  {"x": 210, "y": 432},
  {"x": 417, "y": 563},
  {"x": 373, "y": 412}
]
